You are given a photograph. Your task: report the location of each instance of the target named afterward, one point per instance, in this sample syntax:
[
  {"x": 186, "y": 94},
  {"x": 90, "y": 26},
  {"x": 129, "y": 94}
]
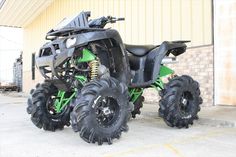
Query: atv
[{"x": 94, "y": 82}]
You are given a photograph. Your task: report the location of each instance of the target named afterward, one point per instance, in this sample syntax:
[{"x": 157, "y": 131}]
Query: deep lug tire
[
  {"x": 38, "y": 108},
  {"x": 160, "y": 110},
  {"x": 180, "y": 102},
  {"x": 89, "y": 107},
  {"x": 138, "y": 104}
]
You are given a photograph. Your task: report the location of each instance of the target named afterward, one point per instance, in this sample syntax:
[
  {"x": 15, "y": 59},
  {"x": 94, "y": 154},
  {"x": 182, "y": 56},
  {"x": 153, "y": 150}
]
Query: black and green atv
[{"x": 95, "y": 82}]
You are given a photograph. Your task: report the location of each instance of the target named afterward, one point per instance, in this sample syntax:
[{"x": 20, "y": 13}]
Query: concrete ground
[{"x": 214, "y": 135}]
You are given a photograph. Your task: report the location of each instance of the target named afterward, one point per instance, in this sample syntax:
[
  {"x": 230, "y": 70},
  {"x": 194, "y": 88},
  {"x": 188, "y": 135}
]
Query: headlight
[{"x": 70, "y": 42}]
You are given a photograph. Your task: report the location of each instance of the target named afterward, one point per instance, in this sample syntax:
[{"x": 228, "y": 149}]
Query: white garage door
[{"x": 225, "y": 52}]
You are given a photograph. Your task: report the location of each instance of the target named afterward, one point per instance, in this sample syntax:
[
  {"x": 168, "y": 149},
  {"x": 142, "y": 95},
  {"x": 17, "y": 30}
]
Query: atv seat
[{"x": 139, "y": 50}]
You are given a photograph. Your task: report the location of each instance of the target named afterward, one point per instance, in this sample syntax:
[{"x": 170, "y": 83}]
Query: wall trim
[{"x": 213, "y": 41}]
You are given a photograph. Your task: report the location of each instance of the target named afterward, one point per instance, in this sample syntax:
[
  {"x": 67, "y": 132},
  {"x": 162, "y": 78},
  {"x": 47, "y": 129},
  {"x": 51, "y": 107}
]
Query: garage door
[{"x": 225, "y": 52}]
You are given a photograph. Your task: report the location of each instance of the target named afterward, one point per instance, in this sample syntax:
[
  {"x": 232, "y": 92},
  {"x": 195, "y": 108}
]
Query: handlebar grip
[{"x": 121, "y": 19}]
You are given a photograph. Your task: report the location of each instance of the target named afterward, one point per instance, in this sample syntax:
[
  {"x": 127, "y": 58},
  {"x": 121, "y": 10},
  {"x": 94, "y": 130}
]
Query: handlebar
[
  {"x": 121, "y": 19},
  {"x": 101, "y": 22},
  {"x": 111, "y": 19}
]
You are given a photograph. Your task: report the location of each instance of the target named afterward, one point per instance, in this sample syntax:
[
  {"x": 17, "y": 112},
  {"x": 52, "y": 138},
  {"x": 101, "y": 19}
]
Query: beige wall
[
  {"x": 225, "y": 52},
  {"x": 147, "y": 22}
]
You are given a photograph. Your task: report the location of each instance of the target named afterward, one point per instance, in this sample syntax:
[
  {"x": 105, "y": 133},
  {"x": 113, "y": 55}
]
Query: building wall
[{"x": 147, "y": 22}]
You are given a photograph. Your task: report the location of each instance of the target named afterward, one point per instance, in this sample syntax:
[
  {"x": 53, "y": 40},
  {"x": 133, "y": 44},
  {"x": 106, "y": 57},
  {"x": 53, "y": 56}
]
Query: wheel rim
[
  {"x": 186, "y": 103},
  {"x": 107, "y": 111},
  {"x": 51, "y": 108}
]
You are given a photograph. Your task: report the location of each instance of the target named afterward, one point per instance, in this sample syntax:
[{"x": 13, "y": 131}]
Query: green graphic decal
[{"x": 164, "y": 71}]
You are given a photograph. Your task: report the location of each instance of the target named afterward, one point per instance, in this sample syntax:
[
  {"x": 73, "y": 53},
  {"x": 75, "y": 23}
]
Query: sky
[{"x": 11, "y": 44}]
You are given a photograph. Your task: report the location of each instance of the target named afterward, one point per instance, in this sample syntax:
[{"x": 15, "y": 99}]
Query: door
[{"x": 225, "y": 51}]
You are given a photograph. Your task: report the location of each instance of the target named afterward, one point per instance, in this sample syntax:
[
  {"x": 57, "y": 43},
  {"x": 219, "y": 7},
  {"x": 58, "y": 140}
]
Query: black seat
[{"x": 139, "y": 50}]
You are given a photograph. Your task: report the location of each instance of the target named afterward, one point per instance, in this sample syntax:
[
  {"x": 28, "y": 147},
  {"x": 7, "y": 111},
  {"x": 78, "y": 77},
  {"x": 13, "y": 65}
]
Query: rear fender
[
  {"x": 155, "y": 57},
  {"x": 178, "y": 47}
]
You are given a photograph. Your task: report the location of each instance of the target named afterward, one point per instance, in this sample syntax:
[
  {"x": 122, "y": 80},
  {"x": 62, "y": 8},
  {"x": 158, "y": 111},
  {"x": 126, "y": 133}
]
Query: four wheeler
[{"x": 95, "y": 82}]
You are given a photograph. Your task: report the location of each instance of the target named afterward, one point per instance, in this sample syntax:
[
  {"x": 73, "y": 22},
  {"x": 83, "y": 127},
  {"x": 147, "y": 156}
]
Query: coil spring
[{"x": 94, "y": 69}]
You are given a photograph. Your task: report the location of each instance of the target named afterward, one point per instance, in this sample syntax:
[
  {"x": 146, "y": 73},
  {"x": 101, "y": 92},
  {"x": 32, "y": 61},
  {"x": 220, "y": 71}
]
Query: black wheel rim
[
  {"x": 50, "y": 107},
  {"x": 186, "y": 103},
  {"x": 107, "y": 111}
]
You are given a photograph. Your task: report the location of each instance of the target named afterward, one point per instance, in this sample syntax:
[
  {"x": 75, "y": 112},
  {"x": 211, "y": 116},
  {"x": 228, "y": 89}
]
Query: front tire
[
  {"x": 101, "y": 111},
  {"x": 180, "y": 102},
  {"x": 40, "y": 107}
]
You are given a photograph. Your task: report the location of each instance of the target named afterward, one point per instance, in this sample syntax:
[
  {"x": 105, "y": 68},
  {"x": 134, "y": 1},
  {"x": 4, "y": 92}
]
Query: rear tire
[
  {"x": 38, "y": 108},
  {"x": 180, "y": 102},
  {"x": 101, "y": 111}
]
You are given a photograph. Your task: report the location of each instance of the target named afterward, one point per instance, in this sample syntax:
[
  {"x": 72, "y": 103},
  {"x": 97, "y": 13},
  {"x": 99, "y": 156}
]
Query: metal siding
[
  {"x": 176, "y": 19},
  {"x": 19, "y": 13},
  {"x": 147, "y": 21},
  {"x": 208, "y": 23},
  {"x": 197, "y": 22},
  {"x": 157, "y": 21},
  {"x": 186, "y": 14}
]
